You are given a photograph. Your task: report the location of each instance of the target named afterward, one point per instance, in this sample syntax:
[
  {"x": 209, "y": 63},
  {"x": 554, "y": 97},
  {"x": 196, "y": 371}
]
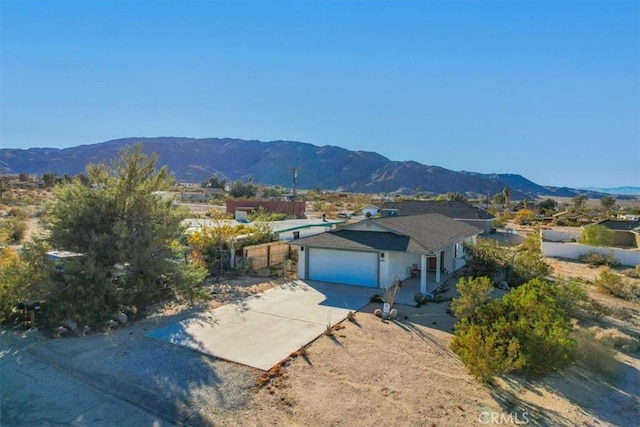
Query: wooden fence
[{"x": 266, "y": 254}]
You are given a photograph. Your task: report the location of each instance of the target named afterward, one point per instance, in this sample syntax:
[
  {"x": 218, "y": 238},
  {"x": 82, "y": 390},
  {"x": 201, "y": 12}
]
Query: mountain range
[{"x": 270, "y": 163}]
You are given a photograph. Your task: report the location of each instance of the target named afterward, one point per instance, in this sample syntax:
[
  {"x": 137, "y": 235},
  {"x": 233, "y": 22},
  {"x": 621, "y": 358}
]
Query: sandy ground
[{"x": 403, "y": 373}]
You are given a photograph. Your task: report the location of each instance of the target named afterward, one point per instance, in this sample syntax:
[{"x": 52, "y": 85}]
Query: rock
[
  {"x": 377, "y": 312},
  {"x": 121, "y": 318},
  {"x": 393, "y": 314}
]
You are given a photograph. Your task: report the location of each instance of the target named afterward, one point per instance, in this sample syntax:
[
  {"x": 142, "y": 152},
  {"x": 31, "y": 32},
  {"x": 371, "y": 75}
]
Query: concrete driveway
[{"x": 264, "y": 329}]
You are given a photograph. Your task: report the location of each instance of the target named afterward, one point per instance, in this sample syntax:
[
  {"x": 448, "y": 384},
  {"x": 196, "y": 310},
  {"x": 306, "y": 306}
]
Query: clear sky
[{"x": 546, "y": 89}]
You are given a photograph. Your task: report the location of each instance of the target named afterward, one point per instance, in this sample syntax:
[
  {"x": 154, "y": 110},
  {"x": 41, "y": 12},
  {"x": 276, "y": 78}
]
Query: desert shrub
[
  {"x": 526, "y": 330},
  {"x": 614, "y": 284},
  {"x": 12, "y": 229},
  {"x": 486, "y": 259},
  {"x": 188, "y": 281},
  {"x": 616, "y": 339},
  {"x": 633, "y": 272},
  {"x": 597, "y": 235},
  {"x": 473, "y": 293},
  {"x": 596, "y": 356},
  {"x": 18, "y": 213},
  {"x": 596, "y": 259},
  {"x": 527, "y": 266}
]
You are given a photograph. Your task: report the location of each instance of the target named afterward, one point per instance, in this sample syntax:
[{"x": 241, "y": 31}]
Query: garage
[{"x": 350, "y": 267}]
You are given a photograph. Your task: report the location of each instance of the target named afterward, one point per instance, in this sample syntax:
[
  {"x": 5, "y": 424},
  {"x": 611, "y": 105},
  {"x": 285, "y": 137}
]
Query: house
[
  {"x": 290, "y": 208},
  {"x": 376, "y": 252},
  {"x": 626, "y": 233},
  {"x": 571, "y": 217},
  {"x": 458, "y": 210},
  {"x": 370, "y": 211},
  {"x": 294, "y": 229}
]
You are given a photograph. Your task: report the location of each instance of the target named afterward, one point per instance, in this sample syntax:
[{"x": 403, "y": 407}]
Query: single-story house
[
  {"x": 572, "y": 216},
  {"x": 370, "y": 210},
  {"x": 458, "y": 210},
  {"x": 292, "y": 208},
  {"x": 378, "y": 251},
  {"x": 294, "y": 229},
  {"x": 626, "y": 233}
]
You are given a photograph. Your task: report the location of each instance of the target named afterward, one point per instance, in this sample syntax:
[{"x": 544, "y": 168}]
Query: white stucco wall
[
  {"x": 399, "y": 267},
  {"x": 574, "y": 250}
]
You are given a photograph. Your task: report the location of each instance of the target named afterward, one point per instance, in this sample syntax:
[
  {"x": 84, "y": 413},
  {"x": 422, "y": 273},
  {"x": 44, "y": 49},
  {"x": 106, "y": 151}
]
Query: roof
[
  {"x": 620, "y": 225},
  {"x": 452, "y": 208},
  {"x": 427, "y": 233},
  {"x": 297, "y": 224}
]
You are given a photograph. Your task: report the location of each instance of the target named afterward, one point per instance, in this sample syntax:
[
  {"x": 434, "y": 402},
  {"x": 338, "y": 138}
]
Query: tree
[
  {"x": 548, "y": 206},
  {"x": 578, "y": 202},
  {"x": 49, "y": 179},
  {"x": 507, "y": 198},
  {"x": 486, "y": 258},
  {"x": 242, "y": 190},
  {"x": 116, "y": 220},
  {"x": 473, "y": 293},
  {"x": 597, "y": 235},
  {"x": 498, "y": 198},
  {"x": 456, "y": 197},
  {"x": 527, "y": 265},
  {"x": 607, "y": 203}
]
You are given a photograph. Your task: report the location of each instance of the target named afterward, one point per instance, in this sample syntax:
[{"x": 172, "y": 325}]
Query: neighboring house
[
  {"x": 291, "y": 208},
  {"x": 375, "y": 252},
  {"x": 571, "y": 216},
  {"x": 295, "y": 229},
  {"x": 370, "y": 210},
  {"x": 627, "y": 233},
  {"x": 460, "y": 211}
]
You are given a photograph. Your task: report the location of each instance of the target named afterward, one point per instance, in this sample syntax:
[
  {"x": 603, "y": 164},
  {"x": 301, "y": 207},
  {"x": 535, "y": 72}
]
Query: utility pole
[{"x": 294, "y": 171}]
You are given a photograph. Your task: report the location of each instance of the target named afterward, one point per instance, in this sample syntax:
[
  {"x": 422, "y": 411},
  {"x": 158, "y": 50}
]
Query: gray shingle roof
[
  {"x": 620, "y": 225},
  {"x": 452, "y": 209},
  {"x": 428, "y": 233}
]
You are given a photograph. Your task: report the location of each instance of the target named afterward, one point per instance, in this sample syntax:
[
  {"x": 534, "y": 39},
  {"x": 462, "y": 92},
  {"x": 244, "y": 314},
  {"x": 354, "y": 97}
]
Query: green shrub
[
  {"x": 526, "y": 330},
  {"x": 614, "y": 284},
  {"x": 596, "y": 259},
  {"x": 473, "y": 293},
  {"x": 597, "y": 235},
  {"x": 527, "y": 266}
]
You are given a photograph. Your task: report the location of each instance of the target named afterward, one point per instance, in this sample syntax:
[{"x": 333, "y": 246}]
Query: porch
[{"x": 411, "y": 286}]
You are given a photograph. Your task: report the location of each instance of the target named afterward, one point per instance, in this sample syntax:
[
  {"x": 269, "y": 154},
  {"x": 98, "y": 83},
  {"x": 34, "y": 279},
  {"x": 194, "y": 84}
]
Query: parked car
[{"x": 343, "y": 215}]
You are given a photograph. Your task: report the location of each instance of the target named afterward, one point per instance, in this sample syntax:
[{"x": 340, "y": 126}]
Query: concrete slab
[{"x": 263, "y": 330}]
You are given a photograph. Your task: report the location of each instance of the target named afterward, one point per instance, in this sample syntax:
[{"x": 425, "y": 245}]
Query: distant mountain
[
  {"x": 327, "y": 167},
  {"x": 631, "y": 191}
]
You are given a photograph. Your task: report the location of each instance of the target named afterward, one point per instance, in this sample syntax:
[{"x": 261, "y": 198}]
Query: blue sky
[{"x": 546, "y": 89}]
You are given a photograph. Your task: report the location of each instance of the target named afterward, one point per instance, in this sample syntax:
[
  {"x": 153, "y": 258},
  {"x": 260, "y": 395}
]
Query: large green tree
[{"x": 116, "y": 218}]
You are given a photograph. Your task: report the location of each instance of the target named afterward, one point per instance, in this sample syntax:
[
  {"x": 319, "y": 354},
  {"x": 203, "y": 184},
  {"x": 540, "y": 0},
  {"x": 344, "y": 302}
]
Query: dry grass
[
  {"x": 595, "y": 355},
  {"x": 616, "y": 339}
]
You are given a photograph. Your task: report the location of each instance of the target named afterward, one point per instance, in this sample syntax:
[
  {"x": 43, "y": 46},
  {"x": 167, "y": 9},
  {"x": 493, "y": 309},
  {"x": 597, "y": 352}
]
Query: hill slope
[{"x": 327, "y": 167}]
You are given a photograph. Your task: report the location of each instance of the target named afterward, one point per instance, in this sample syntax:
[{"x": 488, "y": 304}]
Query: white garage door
[{"x": 352, "y": 268}]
